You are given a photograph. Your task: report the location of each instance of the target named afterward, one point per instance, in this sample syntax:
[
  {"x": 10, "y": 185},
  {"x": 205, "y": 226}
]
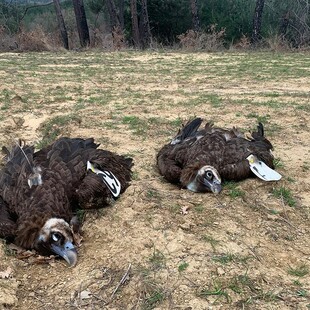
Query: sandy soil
[{"x": 226, "y": 252}]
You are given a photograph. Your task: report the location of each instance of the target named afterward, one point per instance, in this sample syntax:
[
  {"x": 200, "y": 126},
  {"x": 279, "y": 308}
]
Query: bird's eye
[
  {"x": 209, "y": 174},
  {"x": 56, "y": 236}
]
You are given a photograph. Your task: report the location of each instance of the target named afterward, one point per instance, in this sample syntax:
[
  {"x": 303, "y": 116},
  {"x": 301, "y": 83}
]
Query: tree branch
[{"x": 34, "y": 6}]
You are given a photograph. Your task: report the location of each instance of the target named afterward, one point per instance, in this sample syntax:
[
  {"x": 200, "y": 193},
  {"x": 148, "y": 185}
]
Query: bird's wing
[
  {"x": 108, "y": 171},
  {"x": 235, "y": 165},
  {"x": 171, "y": 159},
  {"x": 187, "y": 131},
  {"x": 7, "y": 225},
  {"x": 15, "y": 174}
]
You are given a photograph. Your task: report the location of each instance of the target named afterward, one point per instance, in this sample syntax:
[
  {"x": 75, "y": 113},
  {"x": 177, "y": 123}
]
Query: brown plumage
[
  {"x": 39, "y": 192},
  {"x": 200, "y": 159}
]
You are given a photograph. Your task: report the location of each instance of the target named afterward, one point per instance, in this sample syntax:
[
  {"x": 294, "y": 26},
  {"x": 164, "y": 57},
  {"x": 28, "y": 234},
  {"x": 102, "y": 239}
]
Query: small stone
[
  {"x": 220, "y": 271},
  {"x": 85, "y": 295}
]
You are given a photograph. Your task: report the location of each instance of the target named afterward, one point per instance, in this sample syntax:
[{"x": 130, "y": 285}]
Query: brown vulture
[
  {"x": 198, "y": 159},
  {"x": 41, "y": 190}
]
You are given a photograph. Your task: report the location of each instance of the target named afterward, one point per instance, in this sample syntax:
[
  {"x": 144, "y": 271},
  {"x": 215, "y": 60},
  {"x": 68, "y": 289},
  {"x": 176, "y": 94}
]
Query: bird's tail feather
[
  {"x": 259, "y": 135},
  {"x": 187, "y": 131}
]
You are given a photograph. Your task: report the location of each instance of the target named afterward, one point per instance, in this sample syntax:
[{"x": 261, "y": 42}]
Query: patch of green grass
[
  {"x": 299, "y": 271},
  {"x": 302, "y": 293},
  {"x": 199, "y": 208},
  {"x": 240, "y": 282},
  {"x": 285, "y": 194},
  {"x": 176, "y": 122},
  {"x": 152, "y": 292},
  {"x": 7, "y": 250},
  {"x": 304, "y": 107},
  {"x": 216, "y": 290},
  {"x": 55, "y": 127},
  {"x": 214, "y": 99},
  {"x": 152, "y": 194},
  {"x": 291, "y": 180},
  {"x": 224, "y": 258},
  {"x": 260, "y": 118},
  {"x": 297, "y": 283},
  {"x": 183, "y": 266},
  {"x": 288, "y": 237},
  {"x": 268, "y": 296},
  {"x": 135, "y": 175},
  {"x": 153, "y": 299},
  {"x": 274, "y": 95},
  {"x": 278, "y": 163},
  {"x": 273, "y": 104},
  {"x": 5, "y": 98},
  {"x": 273, "y": 211},
  {"x": 213, "y": 242},
  {"x": 157, "y": 260},
  {"x": 110, "y": 125},
  {"x": 233, "y": 190},
  {"x": 80, "y": 213},
  {"x": 174, "y": 208},
  {"x": 136, "y": 124}
]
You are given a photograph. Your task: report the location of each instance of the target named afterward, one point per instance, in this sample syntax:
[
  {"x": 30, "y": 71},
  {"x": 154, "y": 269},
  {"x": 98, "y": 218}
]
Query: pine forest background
[{"x": 188, "y": 24}]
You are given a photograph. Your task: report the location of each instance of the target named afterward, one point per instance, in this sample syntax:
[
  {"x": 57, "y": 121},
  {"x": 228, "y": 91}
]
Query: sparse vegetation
[
  {"x": 285, "y": 194},
  {"x": 183, "y": 266},
  {"x": 216, "y": 290},
  {"x": 234, "y": 249},
  {"x": 213, "y": 242},
  {"x": 233, "y": 190},
  {"x": 157, "y": 260},
  {"x": 56, "y": 127},
  {"x": 299, "y": 271},
  {"x": 278, "y": 163}
]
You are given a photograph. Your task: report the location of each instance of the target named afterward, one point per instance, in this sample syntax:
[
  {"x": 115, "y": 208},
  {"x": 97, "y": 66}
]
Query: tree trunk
[
  {"x": 134, "y": 23},
  {"x": 284, "y": 24},
  {"x": 145, "y": 25},
  {"x": 61, "y": 24},
  {"x": 257, "y": 21},
  {"x": 114, "y": 18},
  {"x": 121, "y": 5},
  {"x": 195, "y": 17},
  {"x": 81, "y": 22}
]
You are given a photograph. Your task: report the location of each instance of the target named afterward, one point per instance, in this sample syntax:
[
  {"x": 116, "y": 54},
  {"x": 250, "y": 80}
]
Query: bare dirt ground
[{"x": 247, "y": 248}]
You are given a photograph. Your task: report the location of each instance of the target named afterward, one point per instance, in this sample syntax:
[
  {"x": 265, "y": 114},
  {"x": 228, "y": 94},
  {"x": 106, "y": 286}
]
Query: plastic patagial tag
[
  {"x": 108, "y": 178},
  {"x": 261, "y": 170}
]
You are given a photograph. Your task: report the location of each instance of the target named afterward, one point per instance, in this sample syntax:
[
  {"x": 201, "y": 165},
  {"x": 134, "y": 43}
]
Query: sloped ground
[{"x": 247, "y": 248}]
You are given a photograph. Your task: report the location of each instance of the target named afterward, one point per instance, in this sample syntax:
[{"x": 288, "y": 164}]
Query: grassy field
[{"x": 247, "y": 248}]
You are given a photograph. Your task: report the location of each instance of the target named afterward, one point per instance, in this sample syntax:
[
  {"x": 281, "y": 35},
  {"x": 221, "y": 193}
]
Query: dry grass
[{"x": 247, "y": 248}]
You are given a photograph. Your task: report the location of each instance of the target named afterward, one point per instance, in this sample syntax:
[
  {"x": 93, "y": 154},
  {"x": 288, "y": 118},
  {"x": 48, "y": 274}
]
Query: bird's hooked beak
[
  {"x": 214, "y": 185},
  {"x": 67, "y": 252},
  {"x": 56, "y": 236}
]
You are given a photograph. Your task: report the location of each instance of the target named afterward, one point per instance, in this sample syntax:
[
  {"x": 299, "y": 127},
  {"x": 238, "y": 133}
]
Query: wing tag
[
  {"x": 261, "y": 170},
  {"x": 108, "y": 178}
]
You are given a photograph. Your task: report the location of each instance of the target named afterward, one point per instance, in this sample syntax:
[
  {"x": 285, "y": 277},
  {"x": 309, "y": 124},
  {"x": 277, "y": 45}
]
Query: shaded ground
[{"x": 247, "y": 248}]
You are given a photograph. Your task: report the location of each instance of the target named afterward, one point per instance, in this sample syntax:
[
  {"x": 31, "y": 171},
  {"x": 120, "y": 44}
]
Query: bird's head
[
  {"x": 56, "y": 237},
  {"x": 207, "y": 179}
]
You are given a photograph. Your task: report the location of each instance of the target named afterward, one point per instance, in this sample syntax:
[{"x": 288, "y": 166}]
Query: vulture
[
  {"x": 199, "y": 159},
  {"x": 40, "y": 191}
]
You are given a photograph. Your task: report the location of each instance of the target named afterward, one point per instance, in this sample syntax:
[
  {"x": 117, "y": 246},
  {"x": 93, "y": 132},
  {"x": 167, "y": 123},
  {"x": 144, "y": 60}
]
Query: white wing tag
[
  {"x": 261, "y": 170},
  {"x": 108, "y": 178}
]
